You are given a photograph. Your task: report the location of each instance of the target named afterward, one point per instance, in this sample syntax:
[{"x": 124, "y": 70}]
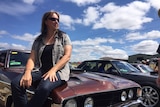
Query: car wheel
[{"x": 150, "y": 96}]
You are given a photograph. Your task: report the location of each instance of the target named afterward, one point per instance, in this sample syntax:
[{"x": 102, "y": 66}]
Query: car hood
[{"x": 89, "y": 83}]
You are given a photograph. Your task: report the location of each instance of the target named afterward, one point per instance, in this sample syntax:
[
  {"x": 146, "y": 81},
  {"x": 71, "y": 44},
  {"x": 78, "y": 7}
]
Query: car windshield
[
  {"x": 146, "y": 68},
  {"x": 18, "y": 59},
  {"x": 125, "y": 67}
]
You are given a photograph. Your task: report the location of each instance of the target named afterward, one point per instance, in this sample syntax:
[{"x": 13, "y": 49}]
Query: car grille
[{"x": 106, "y": 99}]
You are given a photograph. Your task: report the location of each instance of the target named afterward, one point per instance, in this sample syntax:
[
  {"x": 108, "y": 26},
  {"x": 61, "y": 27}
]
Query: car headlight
[
  {"x": 88, "y": 102},
  {"x": 123, "y": 96},
  {"x": 130, "y": 94},
  {"x": 71, "y": 103}
]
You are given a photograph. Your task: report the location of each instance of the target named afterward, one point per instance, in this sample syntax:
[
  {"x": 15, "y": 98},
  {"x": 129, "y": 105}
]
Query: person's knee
[{"x": 48, "y": 86}]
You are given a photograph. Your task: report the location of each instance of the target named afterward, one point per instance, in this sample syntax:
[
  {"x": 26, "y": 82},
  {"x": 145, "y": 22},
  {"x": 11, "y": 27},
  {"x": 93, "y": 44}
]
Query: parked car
[
  {"x": 143, "y": 68},
  {"x": 150, "y": 91},
  {"x": 82, "y": 90}
]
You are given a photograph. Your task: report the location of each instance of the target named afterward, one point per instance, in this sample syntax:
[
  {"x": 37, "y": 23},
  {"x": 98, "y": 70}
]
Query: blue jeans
[{"x": 42, "y": 90}]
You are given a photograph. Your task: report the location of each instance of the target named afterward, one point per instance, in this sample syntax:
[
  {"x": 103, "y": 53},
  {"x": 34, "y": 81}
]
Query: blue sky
[{"x": 97, "y": 28}]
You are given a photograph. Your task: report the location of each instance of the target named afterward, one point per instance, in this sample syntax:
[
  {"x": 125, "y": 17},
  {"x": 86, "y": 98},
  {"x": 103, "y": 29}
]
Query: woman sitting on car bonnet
[{"x": 51, "y": 52}]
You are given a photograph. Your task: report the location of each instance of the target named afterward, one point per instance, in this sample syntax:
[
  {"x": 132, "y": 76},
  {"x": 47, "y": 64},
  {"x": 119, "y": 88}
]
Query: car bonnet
[{"x": 89, "y": 83}]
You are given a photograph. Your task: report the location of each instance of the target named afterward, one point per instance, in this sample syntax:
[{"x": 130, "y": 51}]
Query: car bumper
[{"x": 134, "y": 103}]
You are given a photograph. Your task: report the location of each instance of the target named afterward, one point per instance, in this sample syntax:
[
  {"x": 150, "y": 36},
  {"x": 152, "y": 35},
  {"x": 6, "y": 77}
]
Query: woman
[{"x": 50, "y": 54}]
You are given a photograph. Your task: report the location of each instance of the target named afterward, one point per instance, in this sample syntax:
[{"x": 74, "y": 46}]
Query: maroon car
[{"x": 82, "y": 90}]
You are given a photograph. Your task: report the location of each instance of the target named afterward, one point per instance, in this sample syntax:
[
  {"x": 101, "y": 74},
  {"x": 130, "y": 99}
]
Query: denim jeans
[{"x": 42, "y": 91}]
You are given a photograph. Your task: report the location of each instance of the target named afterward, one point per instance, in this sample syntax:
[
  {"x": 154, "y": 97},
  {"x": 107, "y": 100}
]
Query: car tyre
[{"x": 150, "y": 96}]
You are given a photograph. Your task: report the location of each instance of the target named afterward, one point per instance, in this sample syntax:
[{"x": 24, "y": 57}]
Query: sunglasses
[{"x": 53, "y": 19}]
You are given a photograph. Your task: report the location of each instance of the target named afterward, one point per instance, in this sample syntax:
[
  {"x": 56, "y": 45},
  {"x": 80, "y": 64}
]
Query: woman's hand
[
  {"x": 26, "y": 80},
  {"x": 51, "y": 75}
]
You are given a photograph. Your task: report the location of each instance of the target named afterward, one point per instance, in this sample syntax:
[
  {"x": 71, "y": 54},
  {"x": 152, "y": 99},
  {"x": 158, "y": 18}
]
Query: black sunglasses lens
[{"x": 54, "y": 19}]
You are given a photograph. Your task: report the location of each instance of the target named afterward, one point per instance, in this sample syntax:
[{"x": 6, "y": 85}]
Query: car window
[
  {"x": 106, "y": 67},
  {"x": 2, "y": 58},
  {"x": 18, "y": 59},
  {"x": 125, "y": 67},
  {"x": 101, "y": 67},
  {"x": 90, "y": 66},
  {"x": 109, "y": 67},
  {"x": 146, "y": 68}
]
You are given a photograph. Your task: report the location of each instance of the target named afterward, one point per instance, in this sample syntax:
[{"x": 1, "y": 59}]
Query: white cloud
[
  {"x": 3, "y": 32},
  {"x": 139, "y": 36},
  {"x": 145, "y": 47},
  {"x": 83, "y": 2},
  {"x": 95, "y": 49},
  {"x": 26, "y": 37},
  {"x": 134, "y": 36},
  {"x": 154, "y": 3},
  {"x": 18, "y": 46},
  {"x": 11, "y": 46},
  {"x": 131, "y": 16},
  {"x": 16, "y": 8},
  {"x": 95, "y": 41},
  {"x": 68, "y": 22},
  {"x": 91, "y": 15},
  {"x": 95, "y": 52},
  {"x": 29, "y": 1},
  {"x": 4, "y": 45}
]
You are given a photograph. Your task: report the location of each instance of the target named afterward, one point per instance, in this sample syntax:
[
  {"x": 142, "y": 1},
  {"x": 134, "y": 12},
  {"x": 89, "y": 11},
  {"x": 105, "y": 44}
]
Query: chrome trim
[{"x": 134, "y": 103}]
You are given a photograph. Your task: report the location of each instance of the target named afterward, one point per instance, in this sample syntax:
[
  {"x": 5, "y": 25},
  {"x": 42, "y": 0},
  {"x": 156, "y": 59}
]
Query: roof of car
[
  {"x": 137, "y": 64},
  {"x": 105, "y": 60},
  {"x": 20, "y": 50}
]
